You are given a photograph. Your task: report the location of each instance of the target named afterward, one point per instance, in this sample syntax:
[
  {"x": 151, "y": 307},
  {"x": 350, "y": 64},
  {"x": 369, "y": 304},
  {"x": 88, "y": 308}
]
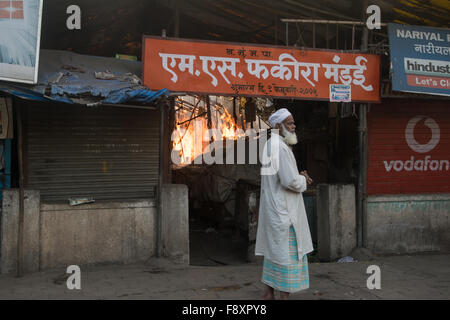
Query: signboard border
[
  {"x": 144, "y": 37},
  {"x": 400, "y": 84}
]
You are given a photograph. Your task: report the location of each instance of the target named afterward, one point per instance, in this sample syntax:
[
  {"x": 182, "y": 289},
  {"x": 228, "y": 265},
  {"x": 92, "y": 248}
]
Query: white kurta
[{"x": 281, "y": 204}]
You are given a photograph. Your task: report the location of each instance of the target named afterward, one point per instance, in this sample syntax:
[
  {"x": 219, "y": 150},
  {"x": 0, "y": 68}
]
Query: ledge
[
  {"x": 409, "y": 197},
  {"x": 142, "y": 203}
]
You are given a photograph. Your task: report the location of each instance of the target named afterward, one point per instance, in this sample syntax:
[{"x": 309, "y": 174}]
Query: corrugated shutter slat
[{"x": 107, "y": 153}]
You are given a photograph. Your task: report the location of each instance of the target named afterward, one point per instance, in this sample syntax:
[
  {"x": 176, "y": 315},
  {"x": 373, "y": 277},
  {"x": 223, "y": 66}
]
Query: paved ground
[{"x": 425, "y": 276}]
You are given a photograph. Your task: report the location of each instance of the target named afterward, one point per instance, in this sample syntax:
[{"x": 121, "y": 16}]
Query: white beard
[{"x": 289, "y": 137}]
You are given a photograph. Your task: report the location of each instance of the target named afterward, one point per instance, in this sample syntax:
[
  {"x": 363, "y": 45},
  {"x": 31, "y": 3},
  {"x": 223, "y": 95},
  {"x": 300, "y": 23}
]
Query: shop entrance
[
  {"x": 327, "y": 149},
  {"x": 224, "y": 198},
  {"x": 217, "y": 235}
]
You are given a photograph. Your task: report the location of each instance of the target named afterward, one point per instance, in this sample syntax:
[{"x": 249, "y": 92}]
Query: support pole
[
  {"x": 209, "y": 120},
  {"x": 160, "y": 214},
  {"x": 208, "y": 110},
  {"x": 314, "y": 35},
  {"x": 234, "y": 110},
  {"x": 337, "y": 36},
  {"x": 20, "y": 235},
  {"x": 287, "y": 33},
  {"x": 362, "y": 130},
  {"x": 353, "y": 38}
]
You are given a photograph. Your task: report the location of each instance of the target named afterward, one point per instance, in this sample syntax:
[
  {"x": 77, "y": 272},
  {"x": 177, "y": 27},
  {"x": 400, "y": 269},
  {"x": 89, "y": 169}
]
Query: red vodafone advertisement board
[
  {"x": 222, "y": 68},
  {"x": 409, "y": 147}
]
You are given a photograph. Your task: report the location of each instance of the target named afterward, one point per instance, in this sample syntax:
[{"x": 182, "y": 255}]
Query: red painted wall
[{"x": 409, "y": 147}]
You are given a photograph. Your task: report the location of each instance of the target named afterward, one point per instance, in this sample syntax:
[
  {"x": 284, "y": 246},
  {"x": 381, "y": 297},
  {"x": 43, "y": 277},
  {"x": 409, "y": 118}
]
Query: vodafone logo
[
  {"x": 435, "y": 134},
  {"x": 419, "y": 163}
]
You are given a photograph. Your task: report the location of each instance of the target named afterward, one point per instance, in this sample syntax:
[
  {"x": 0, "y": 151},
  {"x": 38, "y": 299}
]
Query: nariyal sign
[
  {"x": 420, "y": 59},
  {"x": 251, "y": 70},
  {"x": 20, "y": 33},
  {"x": 409, "y": 147}
]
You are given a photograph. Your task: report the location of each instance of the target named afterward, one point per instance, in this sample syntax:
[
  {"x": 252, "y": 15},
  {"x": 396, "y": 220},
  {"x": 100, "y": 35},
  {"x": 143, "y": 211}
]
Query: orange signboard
[{"x": 222, "y": 68}]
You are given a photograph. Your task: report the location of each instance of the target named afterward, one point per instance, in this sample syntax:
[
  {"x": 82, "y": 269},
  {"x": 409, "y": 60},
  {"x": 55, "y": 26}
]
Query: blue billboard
[{"x": 420, "y": 59}]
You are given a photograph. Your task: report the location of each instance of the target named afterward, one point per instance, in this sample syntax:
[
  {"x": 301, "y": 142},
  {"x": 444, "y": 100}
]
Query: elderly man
[{"x": 283, "y": 235}]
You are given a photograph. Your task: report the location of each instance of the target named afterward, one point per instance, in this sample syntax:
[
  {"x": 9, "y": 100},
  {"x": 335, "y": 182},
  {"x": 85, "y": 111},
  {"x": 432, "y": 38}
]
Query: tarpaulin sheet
[{"x": 68, "y": 77}]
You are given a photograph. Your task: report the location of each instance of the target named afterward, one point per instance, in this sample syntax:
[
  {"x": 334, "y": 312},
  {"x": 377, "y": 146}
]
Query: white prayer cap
[{"x": 278, "y": 117}]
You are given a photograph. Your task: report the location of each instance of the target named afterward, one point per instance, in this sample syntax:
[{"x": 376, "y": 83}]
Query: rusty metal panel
[
  {"x": 107, "y": 153},
  {"x": 409, "y": 147}
]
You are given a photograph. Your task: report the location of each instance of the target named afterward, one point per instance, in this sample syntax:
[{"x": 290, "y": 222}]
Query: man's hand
[{"x": 308, "y": 178}]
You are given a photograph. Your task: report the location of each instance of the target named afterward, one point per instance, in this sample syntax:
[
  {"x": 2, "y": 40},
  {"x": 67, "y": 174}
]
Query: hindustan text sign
[
  {"x": 420, "y": 58},
  {"x": 234, "y": 69}
]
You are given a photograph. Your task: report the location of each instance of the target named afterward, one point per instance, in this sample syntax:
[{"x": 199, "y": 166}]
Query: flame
[
  {"x": 228, "y": 126},
  {"x": 190, "y": 131},
  {"x": 183, "y": 142}
]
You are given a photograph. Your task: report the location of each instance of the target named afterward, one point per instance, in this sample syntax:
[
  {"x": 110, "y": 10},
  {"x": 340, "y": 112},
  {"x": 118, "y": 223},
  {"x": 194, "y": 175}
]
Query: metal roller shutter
[
  {"x": 105, "y": 153},
  {"x": 395, "y": 166}
]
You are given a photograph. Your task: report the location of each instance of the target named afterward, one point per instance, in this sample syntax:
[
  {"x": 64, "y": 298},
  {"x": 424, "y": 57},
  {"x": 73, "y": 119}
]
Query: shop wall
[
  {"x": 110, "y": 154},
  {"x": 110, "y": 232},
  {"x": 59, "y": 235},
  {"x": 408, "y": 223},
  {"x": 408, "y": 178}
]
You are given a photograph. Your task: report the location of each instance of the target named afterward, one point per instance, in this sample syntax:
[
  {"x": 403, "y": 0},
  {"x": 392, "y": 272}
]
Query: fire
[
  {"x": 183, "y": 141},
  {"x": 191, "y": 137},
  {"x": 228, "y": 126}
]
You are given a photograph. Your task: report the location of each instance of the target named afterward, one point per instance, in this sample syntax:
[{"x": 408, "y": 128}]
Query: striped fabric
[{"x": 291, "y": 278}]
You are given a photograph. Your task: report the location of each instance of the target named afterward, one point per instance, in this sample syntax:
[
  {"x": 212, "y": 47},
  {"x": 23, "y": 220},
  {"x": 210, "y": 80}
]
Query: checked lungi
[{"x": 287, "y": 278}]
